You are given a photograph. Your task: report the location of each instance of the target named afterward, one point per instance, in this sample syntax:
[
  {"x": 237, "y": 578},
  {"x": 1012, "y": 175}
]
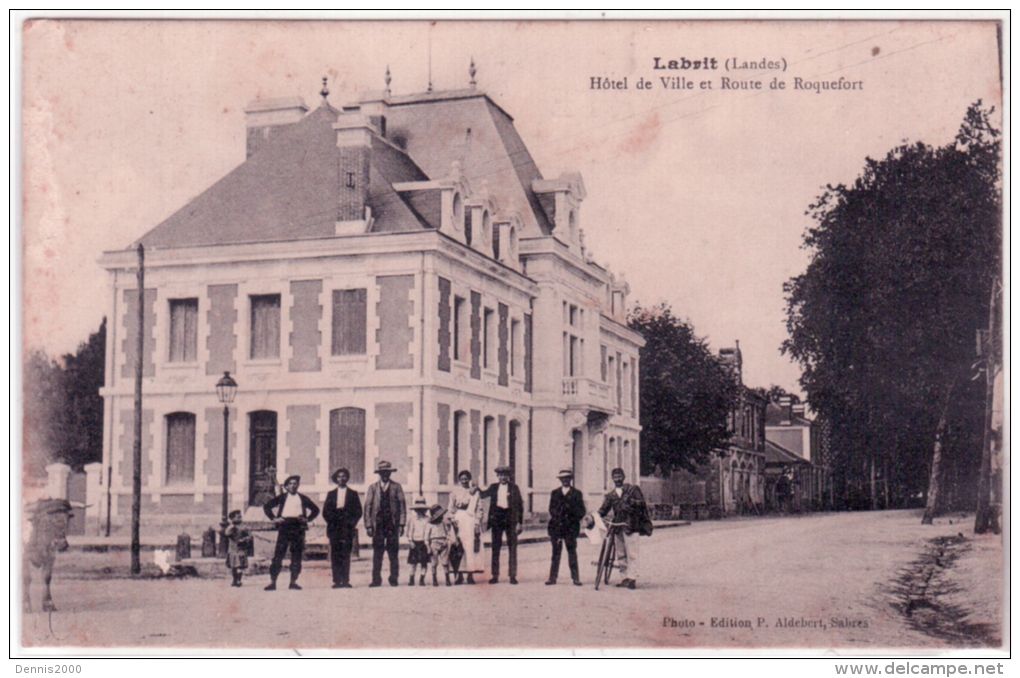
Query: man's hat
[
  {"x": 565, "y": 473},
  {"x": 420, "y": 504},
  {"x": 384, "y": 466},
  {"x": 502, "y": 469},
  {"x": 290, "y": 478},
  {"x": 436, "y": 512},
  {"x": 338, "y": 472},
  {"x": 234, "y": 514},
  {"x": 618, "y": 470}
]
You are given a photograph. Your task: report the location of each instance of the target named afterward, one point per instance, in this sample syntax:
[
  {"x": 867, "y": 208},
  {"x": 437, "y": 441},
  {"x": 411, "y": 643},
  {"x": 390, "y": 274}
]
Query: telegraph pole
[{"x": 136, "y": 480}]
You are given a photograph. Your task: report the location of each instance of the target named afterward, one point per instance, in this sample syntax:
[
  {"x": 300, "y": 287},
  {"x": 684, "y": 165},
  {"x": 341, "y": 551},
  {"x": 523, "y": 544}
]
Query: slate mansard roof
[{"x": 288, "y": 189}]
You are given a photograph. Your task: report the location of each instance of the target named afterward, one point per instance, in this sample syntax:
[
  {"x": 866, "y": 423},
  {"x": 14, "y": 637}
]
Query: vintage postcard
[{"x": 521, "y": 335}]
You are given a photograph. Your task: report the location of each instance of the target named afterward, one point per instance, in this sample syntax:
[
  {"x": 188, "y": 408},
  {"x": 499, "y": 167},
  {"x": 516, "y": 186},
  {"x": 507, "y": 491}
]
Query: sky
[{"x": 697, "y": 196}]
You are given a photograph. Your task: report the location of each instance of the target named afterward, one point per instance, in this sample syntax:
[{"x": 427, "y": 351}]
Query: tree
[
  {"x": 686, "y": 394},
  {"x": 883, "y": 320},
  {"x": 63, "y": 411}
]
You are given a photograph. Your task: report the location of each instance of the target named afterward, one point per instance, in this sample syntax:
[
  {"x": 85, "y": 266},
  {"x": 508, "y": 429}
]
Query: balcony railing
[{"x": 588, "y": 393}]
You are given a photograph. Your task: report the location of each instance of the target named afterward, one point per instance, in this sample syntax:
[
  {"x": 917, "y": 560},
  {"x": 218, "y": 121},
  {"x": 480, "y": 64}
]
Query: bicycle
[{"x": 607, "y": 555}]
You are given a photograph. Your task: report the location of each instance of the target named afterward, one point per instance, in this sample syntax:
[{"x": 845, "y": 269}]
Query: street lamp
[{"x": 226, "y": 389}]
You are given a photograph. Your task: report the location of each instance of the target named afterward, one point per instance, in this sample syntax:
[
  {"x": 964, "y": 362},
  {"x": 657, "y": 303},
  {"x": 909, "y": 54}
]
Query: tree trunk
[
  {"x": 983, "y": 512},
  {"x": 935, "y": 480},
  {"x": 871, "y": 477}
]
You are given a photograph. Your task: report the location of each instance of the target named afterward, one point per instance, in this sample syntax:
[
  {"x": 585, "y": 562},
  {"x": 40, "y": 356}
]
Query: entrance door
[{"x": 262, "y": 457}]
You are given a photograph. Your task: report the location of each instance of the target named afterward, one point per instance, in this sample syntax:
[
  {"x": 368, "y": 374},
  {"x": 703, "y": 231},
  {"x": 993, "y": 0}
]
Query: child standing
[
  {"x": 238, "y": 541},
  {"x": 417, "y": 533},
  {"x": 439, "y": 543}
]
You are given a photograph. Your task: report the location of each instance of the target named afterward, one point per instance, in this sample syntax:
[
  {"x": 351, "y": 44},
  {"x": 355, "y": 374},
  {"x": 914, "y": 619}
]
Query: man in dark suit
[
  {"x": 290, "y": 512},
  {"x": 385, "y": 517},
  {"x": 342, "y": 511},
  {"x": 566, "y": 510},
  {"x": 506, "y": 517}
]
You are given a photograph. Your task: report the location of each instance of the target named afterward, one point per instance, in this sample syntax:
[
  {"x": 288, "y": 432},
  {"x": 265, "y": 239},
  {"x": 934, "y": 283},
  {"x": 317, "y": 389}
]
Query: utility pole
[
  {"x": 136, "y": 480},
  {"x": 983, "y": 519}
]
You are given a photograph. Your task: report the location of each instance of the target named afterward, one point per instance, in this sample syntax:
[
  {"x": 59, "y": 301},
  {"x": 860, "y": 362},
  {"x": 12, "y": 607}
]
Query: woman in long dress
[{"x": 464, "y": 509}]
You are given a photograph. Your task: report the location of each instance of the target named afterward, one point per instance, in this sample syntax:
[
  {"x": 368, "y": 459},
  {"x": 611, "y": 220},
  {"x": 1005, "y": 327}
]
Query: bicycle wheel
[
  {"x": 600, "y": 568},
  {"x": 610, "y": 557}
]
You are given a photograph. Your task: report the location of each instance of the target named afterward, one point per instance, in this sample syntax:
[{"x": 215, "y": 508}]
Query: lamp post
[{"x": 226, "y": 389}]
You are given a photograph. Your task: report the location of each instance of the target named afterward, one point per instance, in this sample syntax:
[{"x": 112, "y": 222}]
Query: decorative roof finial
[
  {"x": 472, "y": 71},
  {"x": 324, "y": 92},
  {"x": 388, "y": 79}
]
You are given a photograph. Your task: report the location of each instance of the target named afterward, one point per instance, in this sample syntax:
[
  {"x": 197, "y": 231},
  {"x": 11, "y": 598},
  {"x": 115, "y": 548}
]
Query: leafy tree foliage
[
  {"x": 686, "y": 394},
  {"x": 63, "y": 415},
  {"x": 883, "y": 320}
]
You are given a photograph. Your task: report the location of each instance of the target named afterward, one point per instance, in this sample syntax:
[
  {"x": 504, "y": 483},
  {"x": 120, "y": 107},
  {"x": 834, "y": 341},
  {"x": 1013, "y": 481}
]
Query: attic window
[{"x": 350, "y": 179}]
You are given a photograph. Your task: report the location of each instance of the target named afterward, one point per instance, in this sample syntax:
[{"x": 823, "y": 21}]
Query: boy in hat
[
  {"x": 506, "y": 517},
  {"x": 342, "y": 511},
  {"x": 418, "y": 534},
  {"x": 290, "y": 512},
  {"x": 566, "y": 510},
  {"x": 385, "y": 517},
  {"x": 238, "y": 540},
  {"x": 439, "y": 543}
]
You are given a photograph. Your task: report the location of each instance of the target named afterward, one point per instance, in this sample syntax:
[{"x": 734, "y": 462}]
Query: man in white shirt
[
  {"x": 628, "y": 506},
  {"x": 290, "y": 512},
  {"x": 342, "y": 511},
  {"x": 505, "y": 518}
]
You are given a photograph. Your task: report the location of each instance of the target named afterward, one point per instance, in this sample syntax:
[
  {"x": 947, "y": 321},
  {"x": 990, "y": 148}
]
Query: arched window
[
  {"x": 262, "y": 476},
  {"x": 180, "y": 448},
  {"x": 495, "y": 242},
  {"x": 460, "y": 441},
  {"x": 347, "y": 441},
  {"x": 458, "y": 212}
]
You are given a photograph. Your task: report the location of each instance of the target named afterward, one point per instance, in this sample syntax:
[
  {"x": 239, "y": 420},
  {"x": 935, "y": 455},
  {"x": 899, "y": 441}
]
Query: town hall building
[{"x": 391, "y": 280}]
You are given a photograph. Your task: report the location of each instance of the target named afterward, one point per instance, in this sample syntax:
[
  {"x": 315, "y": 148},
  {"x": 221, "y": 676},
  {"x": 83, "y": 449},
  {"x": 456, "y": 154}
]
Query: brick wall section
[
  {"x": 303, "y": 438},
  {"x": 306, "y": 320},
  {"x": 476, "y": 335},
  {"x": 393, "y": 436},
  {"x": 444, "y": 325},
  {"x": 395, "y": 334},
  {"x": 221, "y": 319},
  {"x": 503, "y": 352},
  {"x": 527, "y": 353},
  {"x": 501, "y": 427},
  {"x": 352, "y": 160},
  {"x": 129, "y": 344},
  {"x": 443, "y": 442},
  {"x": 213, "y": 467},
  {"x": 475, "y": 442},
  {"x": 126, "y": 445}
]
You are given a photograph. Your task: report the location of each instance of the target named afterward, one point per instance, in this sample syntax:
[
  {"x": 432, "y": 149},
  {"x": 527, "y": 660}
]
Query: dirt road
[{"x": 824, "y": 581}]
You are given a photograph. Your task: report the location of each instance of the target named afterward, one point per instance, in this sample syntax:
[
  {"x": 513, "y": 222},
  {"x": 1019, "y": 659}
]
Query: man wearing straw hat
[
  {"x": 385, "y": 517},
  {"x": 342, "y": 511},
  {"x": 566, "y": 510}
]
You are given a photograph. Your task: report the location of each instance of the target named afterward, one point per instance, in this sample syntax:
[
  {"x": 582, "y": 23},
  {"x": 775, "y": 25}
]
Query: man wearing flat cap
[
  {"x": 506, "y": 517},
  {"x": 627, "y": 506},
  {"x": 342, "y": 511},
  {"x": 290, "y": 512},
  {"x": 566, "y": 510},
  {"x": 385, "y": 517}
]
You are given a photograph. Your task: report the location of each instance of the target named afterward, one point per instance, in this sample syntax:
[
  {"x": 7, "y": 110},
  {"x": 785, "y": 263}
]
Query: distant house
[
  {"x": 393, "y": 279},
  {"x": 795, "y": 451}
]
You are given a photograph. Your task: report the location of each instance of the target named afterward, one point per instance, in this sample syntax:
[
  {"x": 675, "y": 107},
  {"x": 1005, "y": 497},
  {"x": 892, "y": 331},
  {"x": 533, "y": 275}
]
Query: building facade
[{"x": 391, "y": 280}]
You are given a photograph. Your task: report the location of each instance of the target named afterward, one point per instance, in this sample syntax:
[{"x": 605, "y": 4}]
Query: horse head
[{"x": 50, "y": 519}]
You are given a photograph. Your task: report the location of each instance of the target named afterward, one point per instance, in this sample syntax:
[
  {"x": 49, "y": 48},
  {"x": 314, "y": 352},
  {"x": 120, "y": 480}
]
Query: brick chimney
[
  {"x": 354, "y": 132},
  {"x": 264, "y": 117}
]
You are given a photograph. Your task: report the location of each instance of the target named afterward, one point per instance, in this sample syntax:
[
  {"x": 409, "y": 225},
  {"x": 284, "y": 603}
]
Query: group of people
[{"x": 442, "y": 539}]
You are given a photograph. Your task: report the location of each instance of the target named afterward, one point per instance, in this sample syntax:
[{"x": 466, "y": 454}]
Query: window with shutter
[
  {"x": 180, "y": 448},
  {"x": 265, "y": 326},
  {"x": 350, "y": 316},
  {"x": 347, "y": 441},
  {"x": 183, "y": 330}
]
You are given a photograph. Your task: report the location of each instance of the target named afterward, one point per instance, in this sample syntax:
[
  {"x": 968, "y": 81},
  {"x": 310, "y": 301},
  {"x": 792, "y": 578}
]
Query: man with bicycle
[{"x": 627, "y": 505}]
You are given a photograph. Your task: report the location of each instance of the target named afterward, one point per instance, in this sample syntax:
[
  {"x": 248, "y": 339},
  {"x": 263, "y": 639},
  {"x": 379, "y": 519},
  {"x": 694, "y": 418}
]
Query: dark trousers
[
  {"x": 340, "y": 560},
  {"x": 290, "y": 536},
  {"x": 557, "y": 550},
  {"x": 385, "y": 541},
  {"x": 501, "y": 525}
]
